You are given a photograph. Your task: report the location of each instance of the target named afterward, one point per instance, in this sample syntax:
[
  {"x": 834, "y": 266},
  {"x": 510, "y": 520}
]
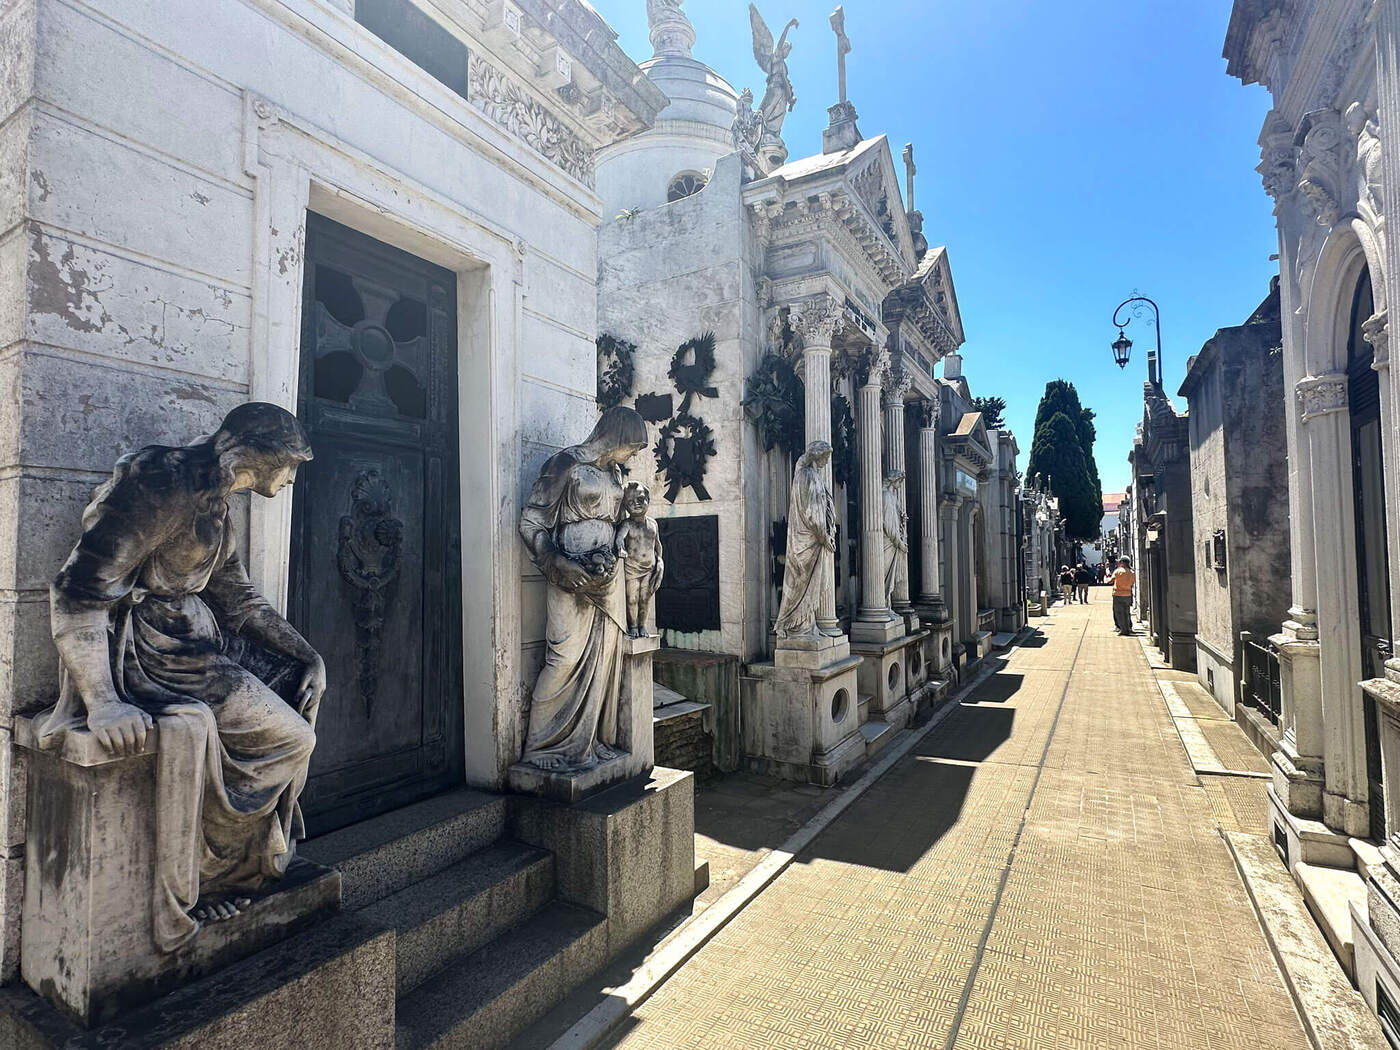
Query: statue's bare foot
[
  {"x": 606, "y": 754},
  {"x": 218, "y": 910},
  {"x": 549, "y": 763}
]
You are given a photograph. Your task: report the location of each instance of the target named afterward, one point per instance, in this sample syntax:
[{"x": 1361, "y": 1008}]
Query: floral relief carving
[
  {"x": 511, "y": 107},
  {"x": 1322, "y": 395}
]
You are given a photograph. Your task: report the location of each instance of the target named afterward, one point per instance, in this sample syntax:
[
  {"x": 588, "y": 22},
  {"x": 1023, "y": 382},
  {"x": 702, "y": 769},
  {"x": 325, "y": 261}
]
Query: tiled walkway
[{"x": 1043, "y": 871}]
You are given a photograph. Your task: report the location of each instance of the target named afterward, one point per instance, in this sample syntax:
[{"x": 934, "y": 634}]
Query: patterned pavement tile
[{"x": 1043, "y": 871}]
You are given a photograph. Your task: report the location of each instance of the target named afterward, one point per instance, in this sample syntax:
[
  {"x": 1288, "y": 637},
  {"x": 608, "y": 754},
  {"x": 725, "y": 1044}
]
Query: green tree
[
  {"x": 991, "y": 409},
  {"x": 1056, "y": 455},
  {"x": 1061, "y": 398}
]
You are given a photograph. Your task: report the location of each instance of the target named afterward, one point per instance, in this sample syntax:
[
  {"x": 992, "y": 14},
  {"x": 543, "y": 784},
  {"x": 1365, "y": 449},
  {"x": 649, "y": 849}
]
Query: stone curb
[
  {"x": 600, "y": 1022},
  {"x": 1195, "y": 743}
]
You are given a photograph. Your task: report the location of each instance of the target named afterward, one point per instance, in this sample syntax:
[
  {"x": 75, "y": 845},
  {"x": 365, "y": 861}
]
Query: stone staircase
[{"x": 483, "y": 946}]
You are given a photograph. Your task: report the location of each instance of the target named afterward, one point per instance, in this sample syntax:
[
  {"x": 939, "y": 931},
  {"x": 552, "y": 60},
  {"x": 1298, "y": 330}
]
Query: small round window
[{"x": 686, "y": 184}]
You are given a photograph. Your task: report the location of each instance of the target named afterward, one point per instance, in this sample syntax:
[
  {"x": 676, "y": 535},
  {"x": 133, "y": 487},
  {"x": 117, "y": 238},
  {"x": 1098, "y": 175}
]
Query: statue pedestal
[
  {"x": 634, "y": 738},
  {"x": 801, "y": 713},
  {"x": 885, "y": 676},
  {"x": 89, "y": 886}
]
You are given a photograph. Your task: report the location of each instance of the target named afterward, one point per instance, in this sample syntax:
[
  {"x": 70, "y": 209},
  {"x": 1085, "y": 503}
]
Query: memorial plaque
[{"x": 689, "y": 597}]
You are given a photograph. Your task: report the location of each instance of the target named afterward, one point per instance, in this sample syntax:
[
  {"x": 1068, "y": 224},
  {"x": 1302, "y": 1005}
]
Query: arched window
[{"x": 686, "y": 184}]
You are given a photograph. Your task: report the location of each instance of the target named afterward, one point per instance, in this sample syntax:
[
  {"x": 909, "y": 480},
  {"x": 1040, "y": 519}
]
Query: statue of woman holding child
[{"x": 570, "y": 526}]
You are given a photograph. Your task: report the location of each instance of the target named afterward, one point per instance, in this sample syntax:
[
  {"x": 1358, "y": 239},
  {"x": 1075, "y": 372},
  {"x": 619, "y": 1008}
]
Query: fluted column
[
  {"x": 874, "y": 602},
  {"x": 952, "y": 541},
  {"x": 930, "y": 587},
  {"x": 895, "y": 390},
  {"x": 816, "y": 322}
]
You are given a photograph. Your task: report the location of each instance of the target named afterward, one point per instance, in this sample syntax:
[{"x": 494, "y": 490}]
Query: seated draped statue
[
  {"x": 811, "y": 534},
  {"x": 147, "y": 615},
  {"x": 569, "y": 525}
]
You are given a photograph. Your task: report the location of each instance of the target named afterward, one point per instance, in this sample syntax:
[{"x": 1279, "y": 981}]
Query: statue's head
[
  {"x": 1355, "y": 118},
  {"x": 636, "y": 499},
  {"x": 260, "y": 447},
  {"x": 618, "y": 436},
  {"x": 818, "y": 453}
]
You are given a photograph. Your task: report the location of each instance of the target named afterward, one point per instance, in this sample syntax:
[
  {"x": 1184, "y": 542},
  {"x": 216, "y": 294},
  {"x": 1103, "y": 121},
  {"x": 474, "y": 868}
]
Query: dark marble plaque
[{"x": 689, "y": 597}]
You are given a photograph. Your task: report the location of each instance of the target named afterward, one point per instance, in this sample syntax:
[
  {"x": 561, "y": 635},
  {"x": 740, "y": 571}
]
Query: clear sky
[{"x": 1069, "y": 156}]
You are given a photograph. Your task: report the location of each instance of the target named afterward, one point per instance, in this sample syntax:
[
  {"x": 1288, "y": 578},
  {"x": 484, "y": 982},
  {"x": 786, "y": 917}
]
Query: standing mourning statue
[
  {"x": 811, "y": 535},
  {"x": 148, "y": 615},
  {"x": 570, "y": 526},
  {"x": 896, "y": 527}
]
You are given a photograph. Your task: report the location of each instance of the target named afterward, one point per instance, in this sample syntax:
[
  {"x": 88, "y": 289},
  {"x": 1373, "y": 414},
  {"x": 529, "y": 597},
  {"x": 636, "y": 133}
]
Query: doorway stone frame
[{"x": 296, "y": 168}]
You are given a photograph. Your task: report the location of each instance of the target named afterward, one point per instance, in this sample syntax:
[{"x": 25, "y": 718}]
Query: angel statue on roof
[{"x": 779, "y": 98}]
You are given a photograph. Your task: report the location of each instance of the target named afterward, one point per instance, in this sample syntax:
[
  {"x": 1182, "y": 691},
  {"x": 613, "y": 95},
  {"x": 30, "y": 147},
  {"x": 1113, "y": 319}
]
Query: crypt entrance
[{"x": 376, "y": 553}]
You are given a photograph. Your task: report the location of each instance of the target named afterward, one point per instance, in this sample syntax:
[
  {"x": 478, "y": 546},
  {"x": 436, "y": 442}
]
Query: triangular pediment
[{"x": 875, "y": 184}]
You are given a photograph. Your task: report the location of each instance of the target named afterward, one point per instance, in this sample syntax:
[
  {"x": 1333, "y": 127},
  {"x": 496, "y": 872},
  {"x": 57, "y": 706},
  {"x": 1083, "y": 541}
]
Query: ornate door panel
[{"x": 376, "y": 564}]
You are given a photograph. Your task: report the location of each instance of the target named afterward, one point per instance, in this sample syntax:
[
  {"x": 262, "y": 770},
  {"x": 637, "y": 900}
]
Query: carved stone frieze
[
  {"x": 1322, "y": 395},
  {"x": 511, "y": 107}
]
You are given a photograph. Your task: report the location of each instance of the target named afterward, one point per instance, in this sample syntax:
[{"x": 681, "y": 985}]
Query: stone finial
[
  {"x": 910, "y": 170},
  {"x": 672, "y": 35}
]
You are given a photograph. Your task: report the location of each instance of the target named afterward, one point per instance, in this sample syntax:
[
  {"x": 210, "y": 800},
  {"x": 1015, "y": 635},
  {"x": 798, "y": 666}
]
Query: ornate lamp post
[{"x": 1123, "y": 345}]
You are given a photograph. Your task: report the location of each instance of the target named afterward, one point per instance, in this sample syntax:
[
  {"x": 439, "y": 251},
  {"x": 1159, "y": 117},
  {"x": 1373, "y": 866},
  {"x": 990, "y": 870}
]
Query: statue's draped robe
[
  {"x": 157, "y": 571},
  {"x": 896, "y": 539},
  {"x": 575, "y": 701},
  {"x": 811, "y": 526}
]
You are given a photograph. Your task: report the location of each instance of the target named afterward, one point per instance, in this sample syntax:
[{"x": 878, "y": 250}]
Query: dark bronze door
[
  {"x": 376, "y": 564},
  {"x": 1372, "y": 573}
]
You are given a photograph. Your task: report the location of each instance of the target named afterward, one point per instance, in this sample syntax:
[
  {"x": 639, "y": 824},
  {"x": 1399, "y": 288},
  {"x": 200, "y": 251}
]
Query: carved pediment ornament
[
  {"x": 1322, "y": 395},
  {"x": 512, "y": 108}
]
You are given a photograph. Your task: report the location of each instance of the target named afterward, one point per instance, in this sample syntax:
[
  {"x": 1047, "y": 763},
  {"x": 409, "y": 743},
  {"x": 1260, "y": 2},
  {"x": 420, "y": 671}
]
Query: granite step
[
  {"x": 877, "y": 736},
  {"x": 380, "y": 856},
  {"x": 451, "y": 914},
  {"x": 492, "y": 995},
  {"x": 1329, "y": 893}
]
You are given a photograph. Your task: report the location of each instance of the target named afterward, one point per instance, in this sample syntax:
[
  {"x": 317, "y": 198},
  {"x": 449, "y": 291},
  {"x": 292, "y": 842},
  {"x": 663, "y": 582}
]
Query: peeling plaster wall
[
  {"x": 667, "y": 275},
  {"x": 129, "y": 285}
]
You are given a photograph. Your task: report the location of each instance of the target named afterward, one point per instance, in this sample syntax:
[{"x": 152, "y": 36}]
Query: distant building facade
[{"x": 1239, "y": 493}]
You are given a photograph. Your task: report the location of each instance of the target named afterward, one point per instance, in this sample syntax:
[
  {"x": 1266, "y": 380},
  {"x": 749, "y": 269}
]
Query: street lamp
[{"x": 1122, "y": 345}]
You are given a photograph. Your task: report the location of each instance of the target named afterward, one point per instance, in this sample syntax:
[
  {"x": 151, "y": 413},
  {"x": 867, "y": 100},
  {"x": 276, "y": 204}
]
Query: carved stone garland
[{"x": 512, "y": 107}]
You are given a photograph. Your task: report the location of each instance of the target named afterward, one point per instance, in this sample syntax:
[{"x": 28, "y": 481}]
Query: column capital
[
  {"x": 817, "y": 321},
  {"x": 872, "y": 367},
  {"x": 929, "y": 412},
  {"x": 1322, "y": 395},
  {"x": 897, "y": 383}
]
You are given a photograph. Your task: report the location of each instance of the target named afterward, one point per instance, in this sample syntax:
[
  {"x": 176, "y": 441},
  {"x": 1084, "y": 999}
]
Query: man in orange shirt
[{"x": 1123, "y": 580}]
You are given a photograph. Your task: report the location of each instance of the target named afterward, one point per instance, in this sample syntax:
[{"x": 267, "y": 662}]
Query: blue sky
[{"x": 1069, "y": 155}]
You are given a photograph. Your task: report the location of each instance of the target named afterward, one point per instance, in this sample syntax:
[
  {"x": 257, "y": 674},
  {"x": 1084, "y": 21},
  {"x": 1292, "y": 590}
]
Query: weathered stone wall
[
  {"x": 1239, "y": 487},
  {"x": 683, "y": 743},
  {"x": 150, "y": 275},
  {"x": 668, "y": 275}
]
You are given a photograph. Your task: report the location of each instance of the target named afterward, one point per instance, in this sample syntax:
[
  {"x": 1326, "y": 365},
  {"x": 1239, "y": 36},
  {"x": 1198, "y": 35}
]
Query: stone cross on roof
[{"x": 843, "y": 46}]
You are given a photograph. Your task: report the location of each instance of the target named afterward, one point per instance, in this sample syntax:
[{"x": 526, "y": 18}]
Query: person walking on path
[
  {"x": 1067, "y": 583},
  {"x": 1123, "y": 580},
  {"x": 1082, "y": 578}
]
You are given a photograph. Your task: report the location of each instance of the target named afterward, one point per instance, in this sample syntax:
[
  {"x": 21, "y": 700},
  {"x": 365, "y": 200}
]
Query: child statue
[{"x": 639, "y": 544}]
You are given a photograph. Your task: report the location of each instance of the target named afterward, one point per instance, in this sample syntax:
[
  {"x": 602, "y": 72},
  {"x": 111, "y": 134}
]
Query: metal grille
[{"x": 1262, "y": 690}]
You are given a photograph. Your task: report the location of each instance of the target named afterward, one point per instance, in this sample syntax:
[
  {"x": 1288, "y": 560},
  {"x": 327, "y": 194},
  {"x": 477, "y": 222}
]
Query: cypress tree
[{"x": 1063, "y": 451}]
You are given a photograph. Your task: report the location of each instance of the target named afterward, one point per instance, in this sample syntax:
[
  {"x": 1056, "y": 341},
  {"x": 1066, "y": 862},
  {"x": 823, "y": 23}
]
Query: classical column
[
  {"x": 874, "y": 602},
  {"x": 1327, "y": 425},
  {"x": 816, "y": 322},
  {"x": 895, "y": 389},
  {"x": 952, "y": 541},
  {"x": 969, "y": 540},
  {"x": 930, "y": 589}
]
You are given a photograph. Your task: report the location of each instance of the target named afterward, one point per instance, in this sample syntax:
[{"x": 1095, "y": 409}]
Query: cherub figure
[{"x": 639, "y": 547}]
